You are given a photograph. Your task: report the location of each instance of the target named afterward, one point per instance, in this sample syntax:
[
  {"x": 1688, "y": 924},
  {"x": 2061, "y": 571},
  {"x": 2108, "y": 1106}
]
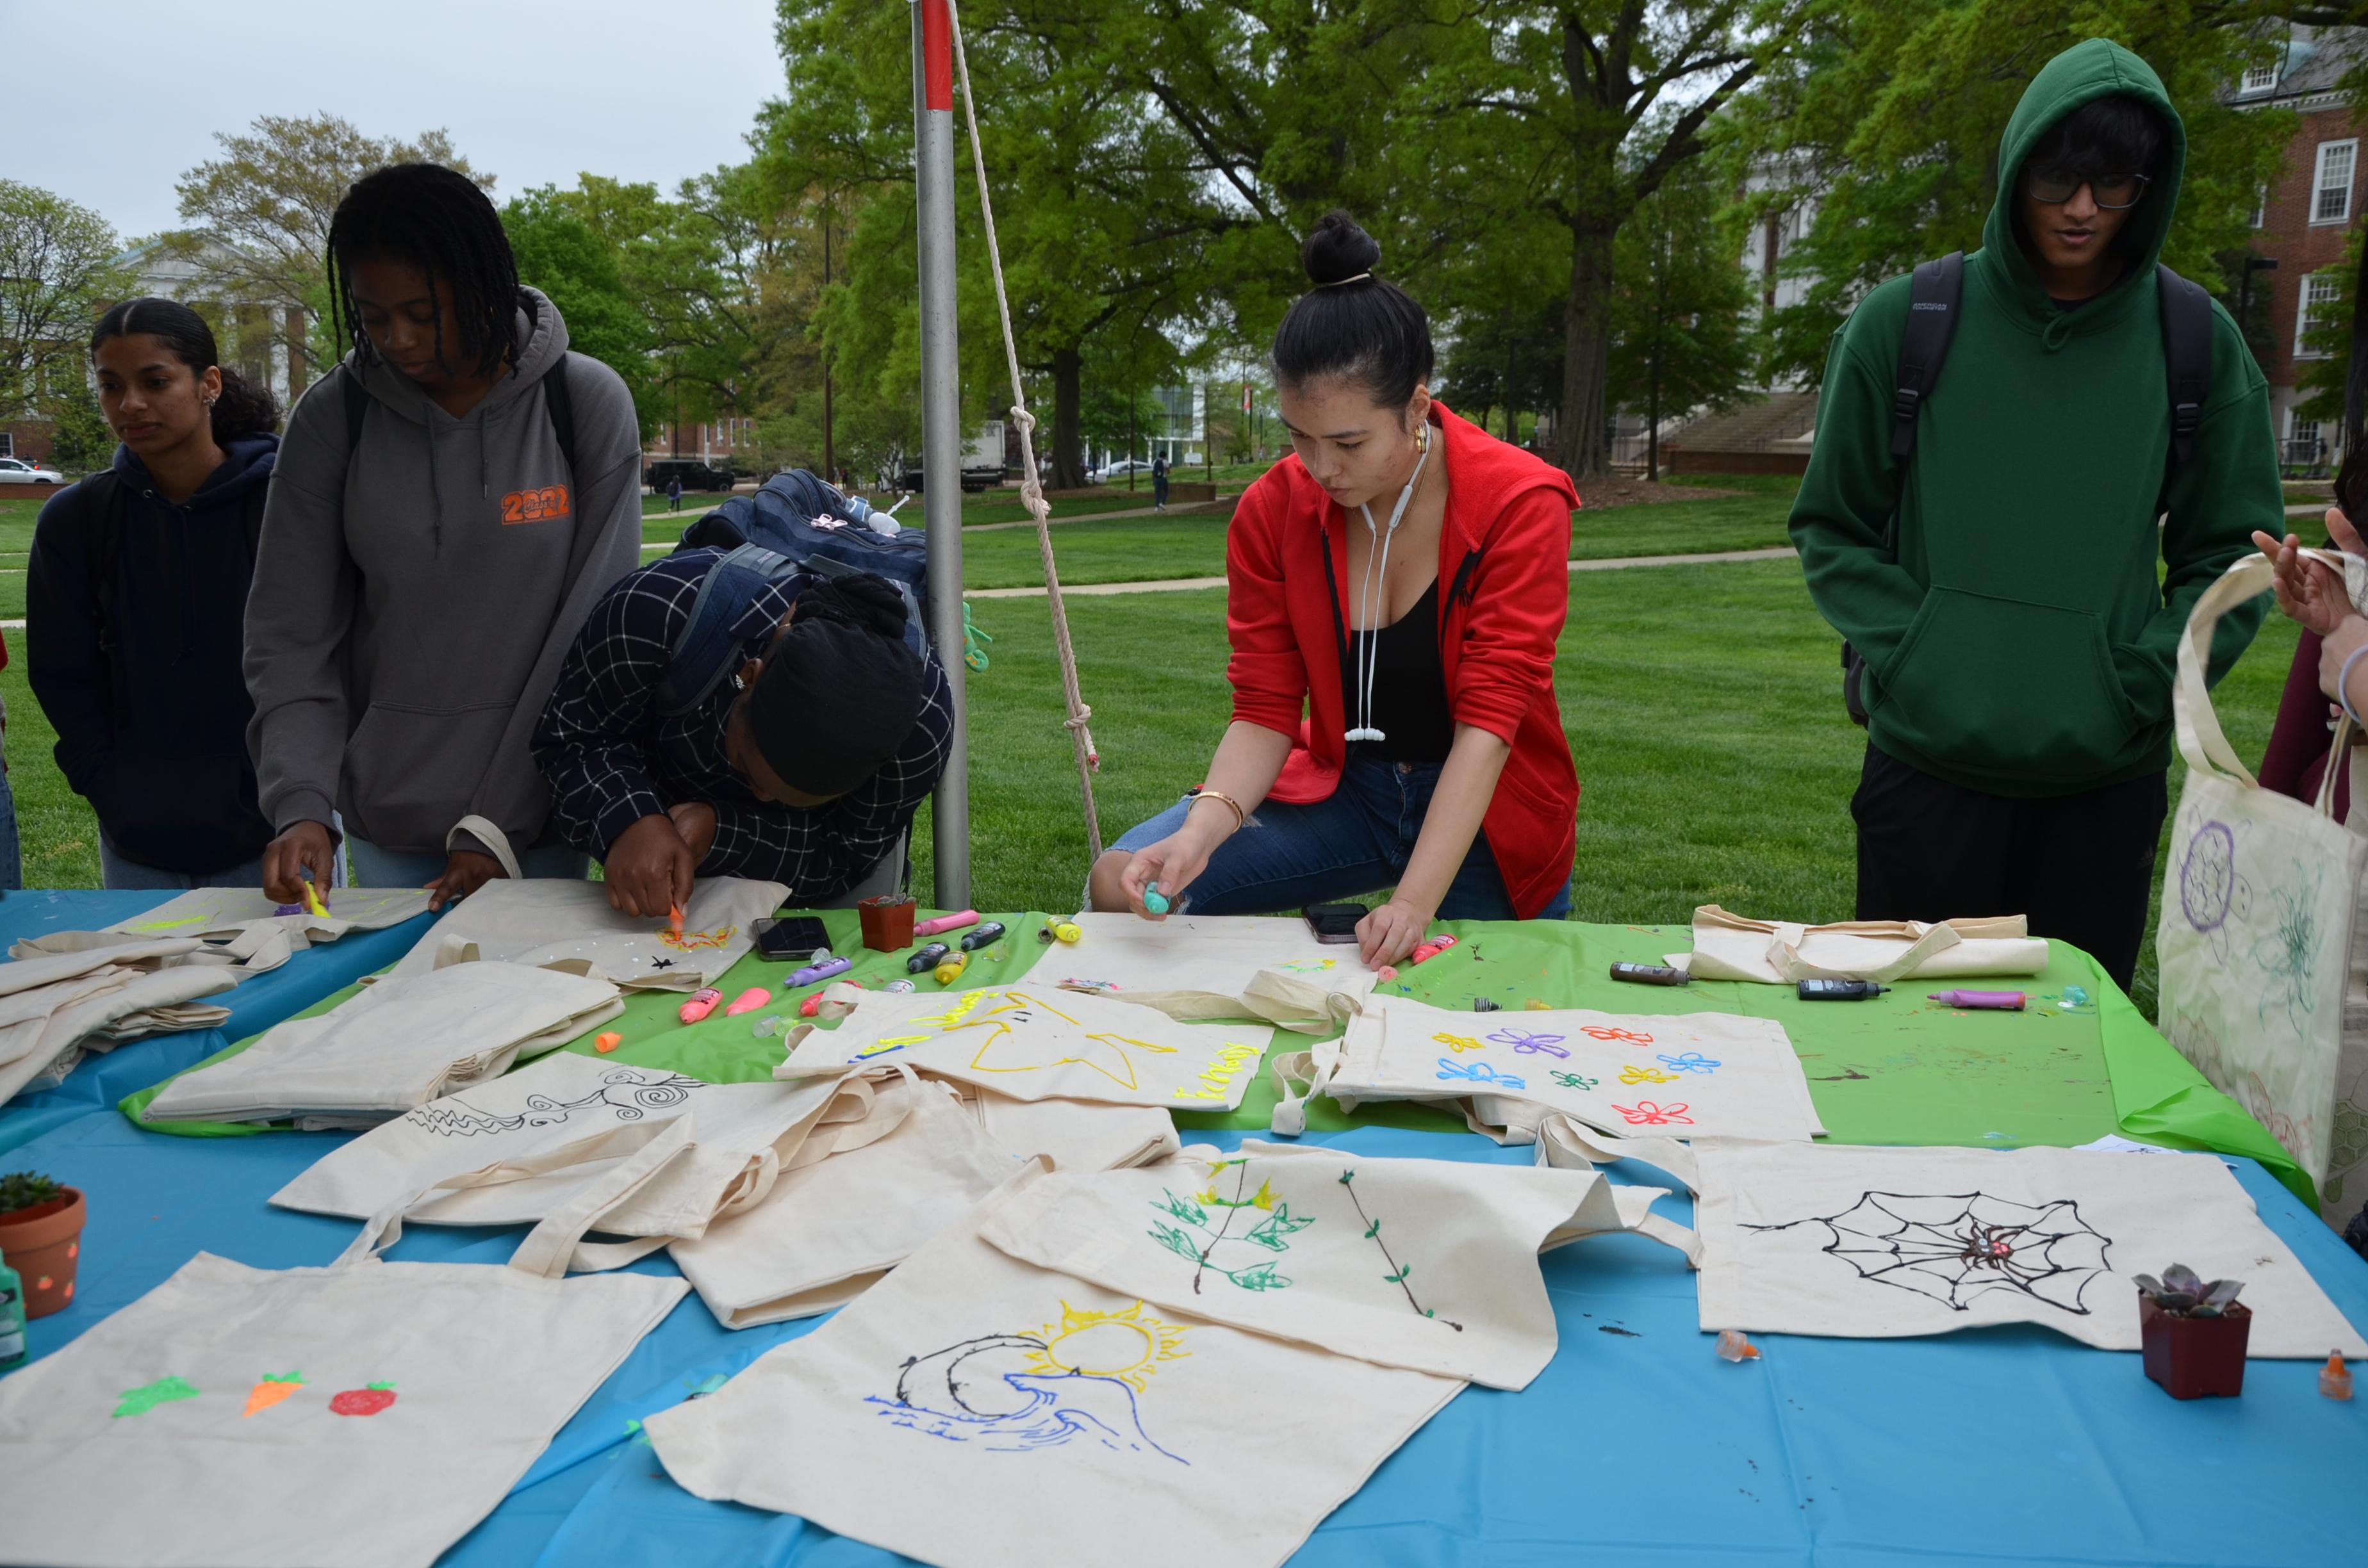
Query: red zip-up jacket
[{"x": 1504, "y": 578}]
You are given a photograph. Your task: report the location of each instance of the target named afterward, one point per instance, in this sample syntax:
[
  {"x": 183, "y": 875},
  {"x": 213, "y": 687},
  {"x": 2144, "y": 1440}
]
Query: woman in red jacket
[{"x": 1403, "y": 582}]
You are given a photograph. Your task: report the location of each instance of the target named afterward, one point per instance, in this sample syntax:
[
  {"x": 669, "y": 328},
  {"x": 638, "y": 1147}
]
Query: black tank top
[{"x": 1409, "y": 686}]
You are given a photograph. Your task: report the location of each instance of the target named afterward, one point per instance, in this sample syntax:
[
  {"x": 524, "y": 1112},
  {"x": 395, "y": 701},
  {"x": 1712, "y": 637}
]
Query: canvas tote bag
[
  {"x": 1693, "y": 1075},
  {"x": 364, "y": 1416},
  {"x": 974, "y": 1412},
  {"x": 46, "y": 1029},
  {"x": 240, "y": 928},
  {"x": 1864, "y": 1242},
  {"x": 1770, "y": 952},
  {"x": 748, "y": 1134},
  {"x": 1213, "y": 967},
  {"x": 2264, "y": 956},
  {"x": 546, "y": 920},
  {"x": 1428, "y": 1265},
  {"x": 1073, "y": 1135},
  {"x": 826, "y": 1232},
  {"x": 1032, "y": 1042},
  {"x": 399, "y": 1044}
]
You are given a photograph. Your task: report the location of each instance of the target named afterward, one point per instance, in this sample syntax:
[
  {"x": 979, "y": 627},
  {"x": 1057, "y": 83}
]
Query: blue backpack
[{"x": 797, "y": 523}]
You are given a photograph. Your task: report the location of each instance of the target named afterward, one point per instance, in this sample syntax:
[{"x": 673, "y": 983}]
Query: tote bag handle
[
  {"x": 654, "y": 1145},
  {"x": 2201, "y": 739},
  {"x": 493, "y": 838}
]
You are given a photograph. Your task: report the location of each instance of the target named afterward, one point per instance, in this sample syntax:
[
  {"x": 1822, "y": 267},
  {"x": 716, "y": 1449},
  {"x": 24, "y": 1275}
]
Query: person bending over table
[
  {"x": 802, "y": 766},
  {"x": 1403, "y": 576}
]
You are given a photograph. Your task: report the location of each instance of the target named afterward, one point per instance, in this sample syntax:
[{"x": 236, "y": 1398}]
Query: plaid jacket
[{"x": 612, "y": 761}]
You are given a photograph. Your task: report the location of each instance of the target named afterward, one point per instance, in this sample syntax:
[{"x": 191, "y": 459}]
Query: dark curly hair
[
  {"x": 438, "y": 220},
  {"x": 244, "y": 408}
]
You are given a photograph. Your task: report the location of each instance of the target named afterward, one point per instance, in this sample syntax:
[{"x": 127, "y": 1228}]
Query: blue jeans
[
  {"x": 376, "y": 867},
  {"x": 1357, "y": 842},
  {"x": 115, "y": 871}
]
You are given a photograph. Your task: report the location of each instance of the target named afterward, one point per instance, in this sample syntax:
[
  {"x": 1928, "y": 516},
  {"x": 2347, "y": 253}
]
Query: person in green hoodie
[{"x": 2002, "y": 583}]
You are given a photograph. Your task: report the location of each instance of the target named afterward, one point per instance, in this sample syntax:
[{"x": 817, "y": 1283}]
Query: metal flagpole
[{"x": 933, "y": 157}]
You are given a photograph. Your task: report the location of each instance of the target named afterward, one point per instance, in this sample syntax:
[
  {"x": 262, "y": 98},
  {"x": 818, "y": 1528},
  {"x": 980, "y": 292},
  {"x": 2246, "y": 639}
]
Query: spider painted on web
[{"x": 1958, "y": 1247}]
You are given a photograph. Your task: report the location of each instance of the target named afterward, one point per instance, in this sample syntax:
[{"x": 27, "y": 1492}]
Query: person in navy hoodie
[{"x": 135, "y": 606}]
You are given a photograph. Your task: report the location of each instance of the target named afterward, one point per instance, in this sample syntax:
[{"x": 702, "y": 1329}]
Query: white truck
[{"x": 982, "y": 461}]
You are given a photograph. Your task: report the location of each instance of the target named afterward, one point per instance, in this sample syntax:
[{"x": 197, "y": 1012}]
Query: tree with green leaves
[
  {"x": 1887, "y": 119},
  {"x": 58, "y": 273},
  {"x": 1680, "y": 337},
  {"x": 582, "y": 273},
  {"x": 258, "y": 216}
]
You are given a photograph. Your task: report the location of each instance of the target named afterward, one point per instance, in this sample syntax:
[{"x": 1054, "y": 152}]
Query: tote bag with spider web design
[{"x": 2261, "y": 939}]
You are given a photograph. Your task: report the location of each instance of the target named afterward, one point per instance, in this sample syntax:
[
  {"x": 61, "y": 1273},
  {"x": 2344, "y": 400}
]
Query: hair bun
[{"x": 1339, "y": 250}]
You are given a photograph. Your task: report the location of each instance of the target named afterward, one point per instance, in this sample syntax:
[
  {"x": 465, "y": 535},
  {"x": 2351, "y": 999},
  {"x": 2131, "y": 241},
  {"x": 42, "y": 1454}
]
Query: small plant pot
[
  {"x": 2194, "y": 1358},
  {"x": 43, "y": 1243},
  {"x": 887, "y": 922}
]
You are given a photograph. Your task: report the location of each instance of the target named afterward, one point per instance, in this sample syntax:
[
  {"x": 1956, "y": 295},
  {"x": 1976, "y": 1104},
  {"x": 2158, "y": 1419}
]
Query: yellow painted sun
[{"x": 1127, "y": 1345}]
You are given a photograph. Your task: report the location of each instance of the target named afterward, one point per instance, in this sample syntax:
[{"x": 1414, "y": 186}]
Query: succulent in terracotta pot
[
  {"x": 40, "y": 1235},
  {"x": 2193, "y": 1332}
]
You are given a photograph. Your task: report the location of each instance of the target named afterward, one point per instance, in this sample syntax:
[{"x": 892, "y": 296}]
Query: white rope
[{"x": 1032, "y": 486}]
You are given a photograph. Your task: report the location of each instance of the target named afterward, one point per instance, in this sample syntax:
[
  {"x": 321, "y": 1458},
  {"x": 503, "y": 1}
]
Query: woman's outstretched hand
[
  {"x": 1391, "y": 932},
  {"x": 2309, "y": 592},
  {"x": 1171, "y": 863}
]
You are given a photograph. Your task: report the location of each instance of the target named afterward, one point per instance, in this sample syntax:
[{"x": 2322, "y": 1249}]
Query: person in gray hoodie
[{"x": 450, "y": 501}]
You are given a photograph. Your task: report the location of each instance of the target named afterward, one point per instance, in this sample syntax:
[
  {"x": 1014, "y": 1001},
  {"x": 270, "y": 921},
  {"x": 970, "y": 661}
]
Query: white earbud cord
[{"x": 1368, "y": 650}]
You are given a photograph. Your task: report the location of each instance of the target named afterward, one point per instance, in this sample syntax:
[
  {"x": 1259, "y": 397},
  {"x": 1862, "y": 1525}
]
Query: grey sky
[{"x": 108, "y": 101}]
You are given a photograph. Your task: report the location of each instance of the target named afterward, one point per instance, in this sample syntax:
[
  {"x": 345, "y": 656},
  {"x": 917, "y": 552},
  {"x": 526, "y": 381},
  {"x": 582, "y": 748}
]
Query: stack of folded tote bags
[
  {"x": 1692, "y": 1075},
  {"x": 241, "y": 929},
  {"x": 397, "y": 1045},
  {"x": 55, "y": 1007},
  {"x": 368, "y": 1415},
  {"x": 1063, "y": 1373}
]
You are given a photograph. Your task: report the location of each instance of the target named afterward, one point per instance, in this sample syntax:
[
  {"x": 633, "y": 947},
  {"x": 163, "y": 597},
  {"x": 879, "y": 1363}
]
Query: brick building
[
  {"x": 716, "y": 442},
  {"x": 2303, "y": 223}
]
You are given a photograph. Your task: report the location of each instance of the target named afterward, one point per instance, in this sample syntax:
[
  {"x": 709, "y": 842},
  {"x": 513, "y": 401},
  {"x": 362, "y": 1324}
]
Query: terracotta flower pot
[
  {"x": 42, "y": 1244},
  {"x": 2194, "y": 1358},
  {"x": 887, "y": 922}
]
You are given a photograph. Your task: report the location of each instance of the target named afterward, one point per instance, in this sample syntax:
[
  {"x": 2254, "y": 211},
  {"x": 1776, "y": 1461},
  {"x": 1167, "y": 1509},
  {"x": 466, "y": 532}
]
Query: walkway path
[{"x": 1185, "y": 584}]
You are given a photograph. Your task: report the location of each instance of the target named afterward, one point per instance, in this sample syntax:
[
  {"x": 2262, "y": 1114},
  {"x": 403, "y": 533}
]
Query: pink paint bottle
[
  {"x": 945, "y": 923},
  {"x": 702, "y": 1002},
  {"x": 748, "y": 1001}
]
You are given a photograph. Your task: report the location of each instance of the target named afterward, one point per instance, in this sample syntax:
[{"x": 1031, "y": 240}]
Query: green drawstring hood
[{"x": 2002, "y": 583}]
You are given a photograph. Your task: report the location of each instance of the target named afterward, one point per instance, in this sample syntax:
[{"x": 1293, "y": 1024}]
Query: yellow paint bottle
[{"x": 951, "y": 971}]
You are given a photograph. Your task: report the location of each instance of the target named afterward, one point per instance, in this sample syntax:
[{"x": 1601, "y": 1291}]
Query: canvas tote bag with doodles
[
  {"x": 547, "y": 920},
  {"x": 1430, "y": 1265},
  {"x": 748, "y": 1134},
  {"x": 974, "y": 1412},
  {"x": 2264, "y": 956},
  {"x": 1213, "y": 967},
  {"x": 1689, "y": 1075},
  {"x": 398, "y": 1044},
  {"x": 1770, "y": 952},
  {"x": 363, "y": 1416},
  {"x": 1880, "y": 1243},
  {"x": 1032, "y": 1042},
  {"x": 828, "y": 1231}
]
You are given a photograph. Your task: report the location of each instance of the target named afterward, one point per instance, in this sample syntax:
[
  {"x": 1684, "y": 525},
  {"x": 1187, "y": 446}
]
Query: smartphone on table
[
  {"x": 1335, "y": 922},
  {"x": 789, "y": 938}
]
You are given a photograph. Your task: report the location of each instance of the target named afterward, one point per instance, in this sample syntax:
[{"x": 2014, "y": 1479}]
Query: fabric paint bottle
[
  {"x": 702, "y": 1002},
  {"x": 1980, "y": 1001},
  {"x": 12, "y": 1318},
  {"x": 927, "y": 958},
  {"x": 973, "y": 940}
]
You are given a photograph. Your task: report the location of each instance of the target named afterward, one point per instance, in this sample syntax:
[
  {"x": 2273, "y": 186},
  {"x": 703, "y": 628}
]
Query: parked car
[
  {"x": 13, "y": 472},
  {"x": 694, "y": 474},
  {"x": 1121, "y": 469}
]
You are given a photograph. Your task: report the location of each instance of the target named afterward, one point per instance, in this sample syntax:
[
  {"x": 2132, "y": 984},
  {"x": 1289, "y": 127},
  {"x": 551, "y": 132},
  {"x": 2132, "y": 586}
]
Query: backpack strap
[
  {"x": 2186, "y": 355},
  {"x": 357, "y": 410},
  {"x": 1924, "y": 345},
  {"x": 561, "y": 410},
  {"x": 701, "y": 655}
]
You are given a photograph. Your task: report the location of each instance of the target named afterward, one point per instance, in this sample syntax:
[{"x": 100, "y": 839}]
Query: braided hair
[{"x": 439, "y": 220}]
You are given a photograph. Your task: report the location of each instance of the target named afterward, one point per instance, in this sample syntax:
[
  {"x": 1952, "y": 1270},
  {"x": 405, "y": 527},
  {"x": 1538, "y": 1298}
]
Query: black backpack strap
[
  {"x": 2186, "y": 355},
  {"x": 562, "y": 410},
  {"x": 703, "y": 651},
  {"x": 357, "y": 410},
  {"x": 1924, "y": 345}
]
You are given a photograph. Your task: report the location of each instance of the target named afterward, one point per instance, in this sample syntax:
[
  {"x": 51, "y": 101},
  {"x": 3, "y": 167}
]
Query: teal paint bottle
[{"x": 12, "y": 1318}]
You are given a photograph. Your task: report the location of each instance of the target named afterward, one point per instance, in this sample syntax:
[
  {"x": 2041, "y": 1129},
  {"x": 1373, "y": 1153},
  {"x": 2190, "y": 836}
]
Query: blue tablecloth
[
  {"x": 1637, "y": 1445},
  {"x": 254, "y": 1005}
]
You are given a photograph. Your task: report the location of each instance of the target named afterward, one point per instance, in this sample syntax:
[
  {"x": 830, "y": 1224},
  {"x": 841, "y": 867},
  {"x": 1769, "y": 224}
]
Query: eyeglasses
[{"x": 2113, "y": 193}]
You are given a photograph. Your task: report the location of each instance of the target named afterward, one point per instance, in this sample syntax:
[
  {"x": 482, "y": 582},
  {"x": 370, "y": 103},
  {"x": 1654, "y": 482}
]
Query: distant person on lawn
[
  {"x": 135, "y": 605},
  {"x": 1159, "y": 483},
  {"x": 674, "y": 494},
  {"x": 2000, "y": 583},
  {"x": 1401, "y": 579}
]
